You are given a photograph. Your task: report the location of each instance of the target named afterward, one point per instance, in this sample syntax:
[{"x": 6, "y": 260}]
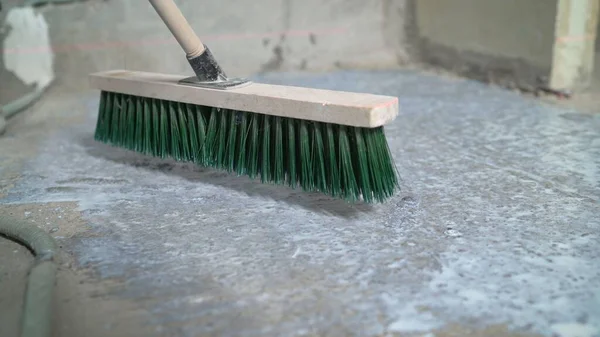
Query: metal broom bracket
[
  {"x": 210, "y": 75},
  {"x": 207, "y": 70}
]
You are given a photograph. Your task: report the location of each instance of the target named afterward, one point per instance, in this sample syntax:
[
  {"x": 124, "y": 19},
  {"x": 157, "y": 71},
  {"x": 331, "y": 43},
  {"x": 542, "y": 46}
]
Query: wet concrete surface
[{"x": 495, "y": 230}]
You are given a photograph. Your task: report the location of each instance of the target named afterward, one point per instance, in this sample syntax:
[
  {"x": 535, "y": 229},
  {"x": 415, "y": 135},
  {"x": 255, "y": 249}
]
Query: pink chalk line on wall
[{"x": 65, "y": 48}]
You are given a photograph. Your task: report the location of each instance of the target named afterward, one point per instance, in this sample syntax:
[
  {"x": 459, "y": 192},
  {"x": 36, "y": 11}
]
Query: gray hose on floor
[
  {"x": 18, "y": 105},
  {"x": 21, "y": 103},
  {"x": 36, "y": 319}
]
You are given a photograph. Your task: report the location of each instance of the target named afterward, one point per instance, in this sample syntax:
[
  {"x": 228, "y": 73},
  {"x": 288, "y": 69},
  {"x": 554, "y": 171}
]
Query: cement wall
[
  {"x": 498, "y": 41},
  {"x": 598, "y": 33},
  {"x": 246, "y": 36},
  {"x": 507, "y": 42}
]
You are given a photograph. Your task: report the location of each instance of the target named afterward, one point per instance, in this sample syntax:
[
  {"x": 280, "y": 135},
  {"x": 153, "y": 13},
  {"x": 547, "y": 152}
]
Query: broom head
[{"x": 318, "y": 140}]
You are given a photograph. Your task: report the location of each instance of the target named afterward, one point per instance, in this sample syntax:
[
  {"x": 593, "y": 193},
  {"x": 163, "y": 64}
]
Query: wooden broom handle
[{"x": 179, "y": 27}]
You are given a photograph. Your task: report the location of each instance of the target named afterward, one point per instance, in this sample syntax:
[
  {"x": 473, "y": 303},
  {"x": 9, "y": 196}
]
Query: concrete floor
[{"x": 495, "y": 231}]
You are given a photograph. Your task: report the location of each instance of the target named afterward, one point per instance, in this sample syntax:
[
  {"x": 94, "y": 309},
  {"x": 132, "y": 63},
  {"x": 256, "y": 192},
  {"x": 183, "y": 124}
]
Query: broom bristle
[{"x": 346, "y": 162}]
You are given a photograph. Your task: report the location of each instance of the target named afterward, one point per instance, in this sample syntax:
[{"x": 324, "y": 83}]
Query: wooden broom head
[{"x": 328, "y": 106}]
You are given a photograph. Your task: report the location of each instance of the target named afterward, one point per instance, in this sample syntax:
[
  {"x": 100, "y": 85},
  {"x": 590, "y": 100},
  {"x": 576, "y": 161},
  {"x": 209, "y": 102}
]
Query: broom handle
[{"x": 179, "y": 27}]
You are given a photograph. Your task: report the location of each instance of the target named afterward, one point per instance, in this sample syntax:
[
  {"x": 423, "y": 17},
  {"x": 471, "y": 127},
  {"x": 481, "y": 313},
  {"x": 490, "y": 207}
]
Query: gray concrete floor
[{"x": 495, "y": 231}]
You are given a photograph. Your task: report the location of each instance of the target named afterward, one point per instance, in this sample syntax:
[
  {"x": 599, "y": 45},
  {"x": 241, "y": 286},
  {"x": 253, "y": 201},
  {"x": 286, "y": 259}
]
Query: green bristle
[
  {"x": 148, "y": 127},
  {"x": 332, "y": 161},
  {"x": 362, "y": 166},
  {"x": 318, "y": 158},
  {"x": 115, "y": 119},
  {"x": 123, "y": 122},
  {"x": 349, "y": 186},
  {"x": 211, "y": 137},
  {"x": 201, "y": 130},
  {"x": 138, "y": 139},
  {"x": 374, "y": 164},
  {"x": 252, "y": 165},
  {"x": 231, "y": 142},
  {"x": 291, "y": 152},
  {"x": 183, "y": 130},
  {"x": 103, "y": 114},
  {"x": 129, "y": 136},
  {"x": 155, "y": 118},
  {"x": 386, "y": 159},
  {"x": 221, "y": 139},
  {"x": 192, "y": 129},
  {"x": 306, "y": 178},
  {"x": 108, "y": 115},
  {"x": 175, "y": 138},
  {"x": 241, "y": 147},
  {"x": 346, "y": 162},
  {"x": 265, "y": 166},
  {"x": 165, "y": 131},
  {"x": 278, "y": 159}
]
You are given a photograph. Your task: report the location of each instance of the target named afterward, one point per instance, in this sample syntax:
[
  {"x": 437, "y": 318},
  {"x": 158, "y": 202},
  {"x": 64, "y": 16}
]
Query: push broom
[{"x": 325, "y": 141}]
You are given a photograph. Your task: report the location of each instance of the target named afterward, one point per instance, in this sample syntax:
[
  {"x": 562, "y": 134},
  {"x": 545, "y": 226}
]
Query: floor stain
[
  {"x": 461, "y": 330},
  {"x": 94, "y": 181},
  {"x": 49, "y": 216},
  {"x": 498, "y": 330},
  {"x": 61, "y": 189},
  {"x": 87, "y": 307}
]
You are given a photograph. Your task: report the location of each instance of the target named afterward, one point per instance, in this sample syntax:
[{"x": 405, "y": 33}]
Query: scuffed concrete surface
[{"x": 494, "y": 233}]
